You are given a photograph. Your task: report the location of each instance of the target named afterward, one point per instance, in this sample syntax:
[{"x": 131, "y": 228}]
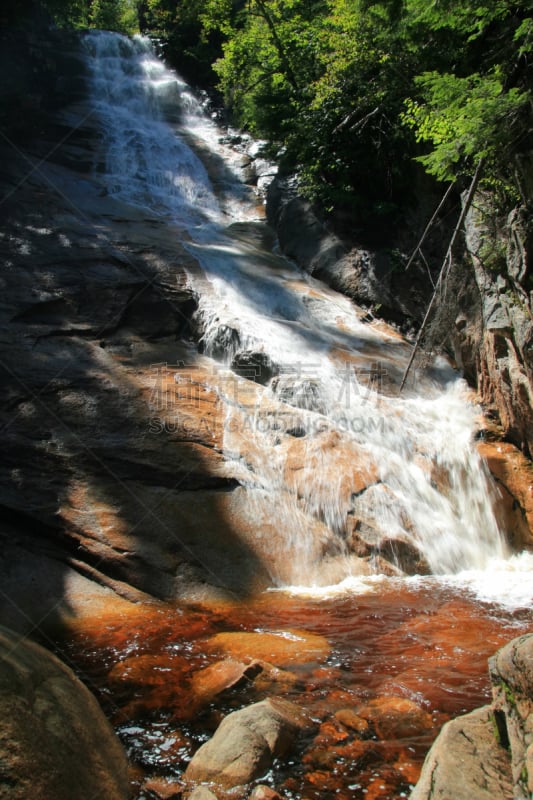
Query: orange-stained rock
[
  {"x": 360, "y": 752},
  {"x": 380, "y": 788},
  {"x": 272, "y": 679},
  {"x": 320, "y": 779},
  {"x": 409, "y": 771},
  {"x": 395, "y": 717},
  {"x": 513, "y": 473},
  {"x": 330, "y": 732},
  {"x": 163, "y": 788},
  {"x": 356, "y": 752},
  {"x": 207, "y": 683},
  {"x": 263, "y": 792},
  {"x": 279, "y": 648},
  {"x": 331, "y": 458},
  {"x": 351, "y": 720}
]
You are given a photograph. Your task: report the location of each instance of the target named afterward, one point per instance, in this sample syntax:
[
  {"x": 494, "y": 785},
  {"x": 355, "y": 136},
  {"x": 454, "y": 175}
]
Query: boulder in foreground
[
  {"x": 54, "y": 739},
  {"x": 246, "y": 742}
]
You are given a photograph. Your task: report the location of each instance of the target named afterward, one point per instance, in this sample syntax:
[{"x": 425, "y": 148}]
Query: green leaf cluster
[
  {"x": 464, "y": 119},
  {"x": 115, "y": 15}
]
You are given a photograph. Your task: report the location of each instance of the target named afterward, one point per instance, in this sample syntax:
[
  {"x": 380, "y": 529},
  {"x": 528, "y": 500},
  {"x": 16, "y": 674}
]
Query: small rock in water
[
  {"x": 255, "y": 366},
  {"x": 351, "y": 720},
  {"x": 201, "y": 793},
  {"x": 207, "y": 683},
  {"x": 164, "y": 789},
  {"x": 263, "y": 792},
  {"x": 395, "y": 717}
]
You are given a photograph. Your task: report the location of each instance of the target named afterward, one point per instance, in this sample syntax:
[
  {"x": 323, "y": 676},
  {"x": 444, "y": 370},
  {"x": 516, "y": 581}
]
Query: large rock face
[
  {"x": 129, "y": 467},
  {"x": 488, "y": 754},
  {"x": 369, "y": 275},
  {"x": 118, "y": 481},
  {"x": 494, "y": 332},
  {"x": 54, "y": 740}
]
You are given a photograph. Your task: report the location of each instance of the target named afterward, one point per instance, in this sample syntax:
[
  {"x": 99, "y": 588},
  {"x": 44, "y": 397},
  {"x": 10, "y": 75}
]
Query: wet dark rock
[
  {"x": 222, "y": 343},
  {"x": 304, "y": 393},
  {"x": 55, "y": 741},
  {"x": 405, "y": 555},
  {"x": 256, "y": 366},
  {"x": 371, "y": 277},
  {"x": 353, "y": 721}
]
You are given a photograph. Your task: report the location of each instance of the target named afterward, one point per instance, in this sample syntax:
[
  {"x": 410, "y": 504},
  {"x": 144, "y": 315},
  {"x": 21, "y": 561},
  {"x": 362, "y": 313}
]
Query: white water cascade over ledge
[{"x": 332, "y": 458}]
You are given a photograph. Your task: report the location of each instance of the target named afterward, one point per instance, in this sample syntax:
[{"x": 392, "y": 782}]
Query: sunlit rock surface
[
  {"x": 246, "y": 742},
  {"x": 466, "y": 761},
  {"x": 488, "y": 753}
]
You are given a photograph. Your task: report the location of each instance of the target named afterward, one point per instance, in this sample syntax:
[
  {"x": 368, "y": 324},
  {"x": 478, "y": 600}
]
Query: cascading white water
[
  {"x": 145, "y": 162},
  {"x": 331, "y": 387}
]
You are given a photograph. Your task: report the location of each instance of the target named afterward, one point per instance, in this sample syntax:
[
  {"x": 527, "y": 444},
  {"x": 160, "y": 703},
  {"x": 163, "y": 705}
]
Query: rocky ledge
[{"x": 488, "y": 754}]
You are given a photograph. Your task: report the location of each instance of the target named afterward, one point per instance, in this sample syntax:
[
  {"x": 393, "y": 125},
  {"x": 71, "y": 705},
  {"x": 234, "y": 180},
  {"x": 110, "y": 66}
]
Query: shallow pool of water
[{"x": 397, "y": 662}]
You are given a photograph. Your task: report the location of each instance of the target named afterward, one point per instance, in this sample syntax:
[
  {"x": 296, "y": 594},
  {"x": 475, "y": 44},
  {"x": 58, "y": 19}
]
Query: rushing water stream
[{"x": 328, "y": 380}]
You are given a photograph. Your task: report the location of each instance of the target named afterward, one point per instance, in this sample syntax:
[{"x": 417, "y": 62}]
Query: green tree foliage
[
  {"x": 353, "y": 152},
  {"x": 355, "y": 89},
  {"x": 188, "y": 46},
  {"x": 114, "y": 15},
  {"x": 478, "y": 105},
  {"x": 269, "y": 59},
  {"x": 464, "y": 119}
]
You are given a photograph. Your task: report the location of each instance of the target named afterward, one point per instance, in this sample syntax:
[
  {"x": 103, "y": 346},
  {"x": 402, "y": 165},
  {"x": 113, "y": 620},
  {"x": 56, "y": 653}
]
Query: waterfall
[{"x": 332, "y": 458}]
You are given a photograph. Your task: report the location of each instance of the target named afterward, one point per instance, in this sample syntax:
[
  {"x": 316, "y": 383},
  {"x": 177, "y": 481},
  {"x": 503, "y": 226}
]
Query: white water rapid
[{"x": 324, "y": 418}]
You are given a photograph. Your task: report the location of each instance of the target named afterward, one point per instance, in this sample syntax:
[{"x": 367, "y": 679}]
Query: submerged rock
[
  {"x": 262, "y": 792},
  {"x": 207, "y": 683},
  {"x": 54, "y": 741},
  {"x": 277, "y": 647},
  {"x": 201, "y": 793},
  {"x": 395, "y": 717}
]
